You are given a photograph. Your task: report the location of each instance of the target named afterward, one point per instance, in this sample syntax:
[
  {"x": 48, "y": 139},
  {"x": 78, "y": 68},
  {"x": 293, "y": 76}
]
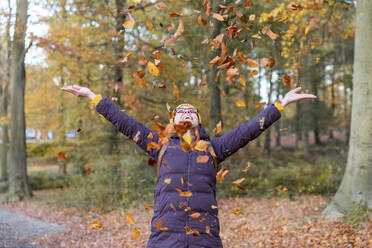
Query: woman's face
[{"x": 186, "y": 114}]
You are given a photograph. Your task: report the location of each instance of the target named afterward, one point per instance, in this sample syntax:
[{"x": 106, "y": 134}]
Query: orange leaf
[
  {"x": 147, "y": 206},
  {"x": 135, "y": 233},
  {"x": 94, "y": 225},
  {"x": 287, "y": 80},
  {"x": 184, "y": 194},
  {"x": 149, "y": 25},
  {"x": 201, "y": 145},
  {"x": 240, "y": 103},
  {"x": 252, "y": 63},
  {"x": 221, "y": 174},
  {"x": 218, "y": 17},
  {"x": 176, "y": 93},
  {"x": 174, "y": 14},
  {"x": 161, "y": 5},
  {"x": 130, "y": 23},
  {"x": 202, "y": 159},
  {"x": 88, "y": 171},
  {"x": 235, "y": 211},
  {"x": 159, "y": 224},
  {"x": 268, "y": 62},
  {"x": 218, "y": 128},
  {"x": 239, "y": 181},
  {"x": 248, "y": 4},
  {"x": 214, "y": 61},
  {"x": 247, "y": 167},
  {"x": 242, "y": 80},
  {"x": 62, "y": 156},
  {"x": 195, "y": 215},
  {"x": 260, "y": 105},
  {"x": 130, "y": 218},
  {"x": 168, "y": 180}
]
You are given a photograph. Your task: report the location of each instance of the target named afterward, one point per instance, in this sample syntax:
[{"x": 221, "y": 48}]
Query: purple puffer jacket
[{"x": 169, "y": 207}]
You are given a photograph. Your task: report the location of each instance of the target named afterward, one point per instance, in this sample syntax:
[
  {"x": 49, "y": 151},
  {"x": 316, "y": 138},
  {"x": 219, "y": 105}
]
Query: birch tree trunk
[
  {"x": 356, "y": 185},
  {"x": 18, "y": 183}
]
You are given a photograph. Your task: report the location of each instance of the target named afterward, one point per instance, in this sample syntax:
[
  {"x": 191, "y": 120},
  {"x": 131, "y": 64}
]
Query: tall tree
[
  {"x": 18, "y": 183},
  {"x": 4, "y": 101},
  {"x": 356, "y": 185}
]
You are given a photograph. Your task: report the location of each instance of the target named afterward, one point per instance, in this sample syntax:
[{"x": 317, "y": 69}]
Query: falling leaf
[
  {"x": 161, "y": 5},
  {"x": 252, "y": 17},
  {"x": 94, "y": 225},
  {"x": 218, "y": 17},
  {"x": 135, "y": 233},
  {"x": 182, "y": 180},
  {"x": 214, "y": 61},
  {"x": 152, "y": 69},
  {"x": 253, "y": 73},
  {"x": 147, "y": 206},
  {"x": 213, "y": 207},
  {"x": 130, "y": 218},
  {"x": 150, "y": 136},
  {"x": 260, "y": 105},
  {"x": 195, "y": 215},
  {"x": 239, "y": 181},
  {"x": 242, "y": 80},
  {"x": 174, "y": 14},
  {"x": 149, "y": 25},
  {"x": 208, "y": 230},
  {"x": 285, "y": 189},
  {"x": 130, "y": 23},
  {"x": 268, "y": 62},
  {"x": 240, "y": 103},
  {"x": 252, "y": 63},
  {"x": 221, "y": 174},
  {"x": 184, "y": 194},
  {"x": 202, "y": 21},
  {"x": 173, "y": 207},
  {"x": 218, "y": 128},
  {"x": 78, "y": 130},
  {"x": 283, "y": 129},
  {"x": 287, "y": 80},
  {"x": 88, "y": 171},
  {"x": 208, "y": 7},
  {"x": 248, "y": 4},
  {"x": 62, "y": 156},
  {"x": 159, "y": 225},
  {"x": 202, "y": 159},
  {"x": 168, "y": 180},
  {"x": 271, "y": 34},
  {"x": 142, "y": 61},
  {"x": 176, "y": 92},
  {"x": 247, "y": 167},
  {"x": 204, "y": 81},
  {"x": 139, "y": 80},
  {"x": 201, "y": 145}
]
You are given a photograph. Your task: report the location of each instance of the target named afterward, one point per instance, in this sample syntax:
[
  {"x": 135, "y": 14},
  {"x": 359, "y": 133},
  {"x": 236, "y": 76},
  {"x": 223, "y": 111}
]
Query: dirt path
[{"x": 15, "y": 227}]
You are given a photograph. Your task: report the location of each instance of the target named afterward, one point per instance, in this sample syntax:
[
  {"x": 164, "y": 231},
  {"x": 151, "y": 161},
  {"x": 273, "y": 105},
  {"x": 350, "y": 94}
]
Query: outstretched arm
[
  {"x": 123, "y": 123},
  {"x": 231, "y": 142}
]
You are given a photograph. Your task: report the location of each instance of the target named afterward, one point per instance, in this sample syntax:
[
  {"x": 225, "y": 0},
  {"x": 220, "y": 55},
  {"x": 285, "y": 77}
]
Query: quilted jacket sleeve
[
  {"x": 231, "y": 142},
  {"x": 127, "y": 125}
]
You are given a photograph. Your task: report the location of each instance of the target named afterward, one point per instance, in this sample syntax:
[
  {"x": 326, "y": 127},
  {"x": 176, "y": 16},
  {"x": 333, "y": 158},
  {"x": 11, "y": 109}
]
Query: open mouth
[{"x": 187, "y": 118}]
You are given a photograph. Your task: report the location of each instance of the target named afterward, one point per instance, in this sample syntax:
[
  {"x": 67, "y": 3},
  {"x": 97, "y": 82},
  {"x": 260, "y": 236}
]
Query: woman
[{"x": 185, "y": 207}]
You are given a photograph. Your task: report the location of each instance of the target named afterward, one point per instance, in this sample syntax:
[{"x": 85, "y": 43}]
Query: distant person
[{"x": 185, "y": 207}]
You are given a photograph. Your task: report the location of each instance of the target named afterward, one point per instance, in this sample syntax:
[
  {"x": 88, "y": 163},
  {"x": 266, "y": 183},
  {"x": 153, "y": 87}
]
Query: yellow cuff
[
  {"x": 96, "y": 99},
  {"x": 279, "y": 106}
]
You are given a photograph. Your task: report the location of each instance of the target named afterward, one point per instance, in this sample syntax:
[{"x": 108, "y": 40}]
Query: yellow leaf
[
  {"x": 218, "y": 17},
  {"x": 168, "y": 180},
  {"x": 201, "y": 145},
  {"x": 218, "y": 128},
  {"x": 135, "y": 233},
  {"x": 260, "y": 105},
  {"x": 240, "y": 103},
  {"x": 152, "y": 69},
  {"x": 149, "y": 25},
  {"x": 247, "y": 167},
  {"x": 95, "y": 225},
  {"x": 130, "y": 218}
]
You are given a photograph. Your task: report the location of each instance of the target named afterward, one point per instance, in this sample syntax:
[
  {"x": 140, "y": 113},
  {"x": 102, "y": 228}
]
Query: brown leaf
[
  {"x": 221, "y": 174},
  {"x": 142, "y": 61},
  {"x": 268, "y": 62},
  {"x": 218, "y": 128},
  {"x": 235, "y": 211},
  {"x": 176, "y": 93},
  {"x": 130, "y": 23},
  {"x": 149, "y": 25},
  {"x": 214, "y": 61},
  {"x": 240, "y": 103},
  {"x": 239, "y": 181},
  {"x": 126, "y": 58},
  {"x": 185, "y": 146},
  {"x": 247, "y": 167},
  {"x": 174, "y": 14},
  {"x": 147, "y": 206},
  {"x": 286, "y": 80},
  {"x": 173, "y": 207},
  {"x": 248, "y": 4},
  {"x": 252, "y": 63},
  {"x": 135, "y": 234},
  {"x": 260, "y": 105}
]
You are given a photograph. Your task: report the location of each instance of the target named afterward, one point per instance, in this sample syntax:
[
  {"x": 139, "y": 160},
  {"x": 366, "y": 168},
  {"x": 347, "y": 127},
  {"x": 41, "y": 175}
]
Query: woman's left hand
[{"x": 292, "y": 96}]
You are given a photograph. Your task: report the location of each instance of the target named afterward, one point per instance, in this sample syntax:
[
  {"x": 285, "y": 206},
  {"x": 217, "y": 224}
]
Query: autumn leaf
[
  {"x": 142, "y": 61},
  {"x": 173, "y": 207},
  {"x": 285, "y": 189},
  {"x": 235, "y": 211},
  {"x": 94, "y": 225},
  {"x": 213, "y": 207},
  {"x": 62, "y": 156},
  {"x": 161, "y": 5},
  {"x": 130, "y": 23},
  {"x": 247, "y": 167},
  {"x": 201, "y": 20},
  {"x": 242, "y": 80},
  {"x": 168, "y": 180},
  {"x": 268, "y": 62},
  {"x": 88, "y": 171},
  {"x": 202, "y": 159},
  {"x": 152, "y": 69},
  {"x": 252, "y": 63},
  {"x": 184, "y": 194},
  {"x": 208, "y": 230},
  {"x": 217, "y": 130},
  {"x": 176, "y": 92},
  {"x": 174, "y": 14},
  {"x": 239, "y": 181},
  {"x": 260, "y": 105},
  {"x": 149, "y": 25},
  {"x": 221, "y": 174},
  {"x": 266, "y": 30},
  {"x": 201, "y": 145},
  {"x": 253, "y": 73},
  {"x": 286, "y": 80},
  {"x": 252, "y": 17},
  {"x": 204, "y": 81},
  {"x": 185, "y": 146},
  {"x": 240, "y": 103},
  {"x": 126, "y": 58},
  {"x": 152, "y": 145},
  {"x": 150, "y": 136},
  {"x": 159, "y": 225},
  {"x": 135, "y": 233},
  {"x": 139, "y": 80},
  {"x": 248, "y": 4},
  {"x": 130, "y": 218},
  {"x": 147, "y": 206},
  {"x": 195, "y": 215},
  {"x": 218, "y": 17},
  {"x": 214, "y": 61}
]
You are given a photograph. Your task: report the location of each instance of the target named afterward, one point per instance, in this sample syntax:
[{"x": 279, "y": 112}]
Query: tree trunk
[
  {"x": 214, "y": 87},
  {"x": 356, "y": 185},
  {"x": 18, "y": 182},
  {"x": 4, "y": 103}
]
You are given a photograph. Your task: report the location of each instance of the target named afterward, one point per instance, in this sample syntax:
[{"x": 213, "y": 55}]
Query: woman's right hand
[{"x": 79, "y": 91}]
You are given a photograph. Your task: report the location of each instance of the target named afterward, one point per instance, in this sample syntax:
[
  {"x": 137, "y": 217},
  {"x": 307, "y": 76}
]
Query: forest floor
[{"x": 245, "y": 222}]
